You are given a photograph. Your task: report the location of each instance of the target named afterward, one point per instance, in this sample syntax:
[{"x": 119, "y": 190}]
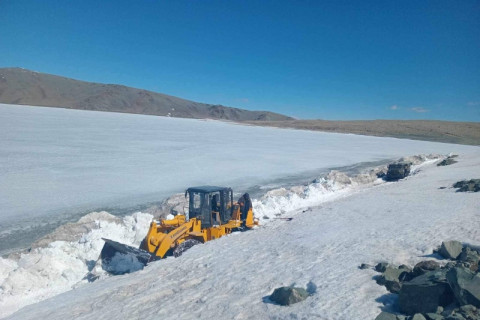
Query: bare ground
[{"x": 429, "y": 130}]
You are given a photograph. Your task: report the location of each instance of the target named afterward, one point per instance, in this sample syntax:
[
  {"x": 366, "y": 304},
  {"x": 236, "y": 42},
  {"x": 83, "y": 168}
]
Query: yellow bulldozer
[{"x": 211, "y": 214}]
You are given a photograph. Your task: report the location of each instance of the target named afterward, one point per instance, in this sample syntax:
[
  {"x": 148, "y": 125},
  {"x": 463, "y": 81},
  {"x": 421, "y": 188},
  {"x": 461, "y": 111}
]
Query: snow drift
[{"x": 59, "y": 265}]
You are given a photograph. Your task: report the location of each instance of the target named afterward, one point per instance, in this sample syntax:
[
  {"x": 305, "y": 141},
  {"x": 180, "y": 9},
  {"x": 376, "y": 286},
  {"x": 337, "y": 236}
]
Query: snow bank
[
  {"x": 333, "y": 186},
  {"x": 61, "y": 260},
  {"x": 60, "y": 265}
]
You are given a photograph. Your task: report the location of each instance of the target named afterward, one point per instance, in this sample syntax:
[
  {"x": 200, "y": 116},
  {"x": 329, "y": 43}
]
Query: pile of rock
[
  {"x": 447, "y": 161},
  {"x": 398, "y": 170},
  {"x": 467, "y": 312},
  {"x": 472, "y": 185},
  {"x": 392, "y": 277},
  {"x": 432, "y": 292}
]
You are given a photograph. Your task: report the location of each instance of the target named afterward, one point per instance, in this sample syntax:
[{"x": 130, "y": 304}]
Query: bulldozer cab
[{"x": 212, "y": 205}]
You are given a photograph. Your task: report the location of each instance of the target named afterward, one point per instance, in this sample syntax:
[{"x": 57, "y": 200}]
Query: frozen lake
[{"x": 58, "y": 163}]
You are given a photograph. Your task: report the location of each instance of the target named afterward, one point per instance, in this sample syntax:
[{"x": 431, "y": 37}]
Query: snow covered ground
[
  {"x": 339, "y": 222},
  {"x": 57, "y": 164}
]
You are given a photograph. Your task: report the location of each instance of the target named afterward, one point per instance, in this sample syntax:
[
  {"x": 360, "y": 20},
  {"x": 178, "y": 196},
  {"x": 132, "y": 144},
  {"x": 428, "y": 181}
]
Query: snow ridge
[
  {"x": 334, "y": 185},
  {"x": 44, "y": 272}
]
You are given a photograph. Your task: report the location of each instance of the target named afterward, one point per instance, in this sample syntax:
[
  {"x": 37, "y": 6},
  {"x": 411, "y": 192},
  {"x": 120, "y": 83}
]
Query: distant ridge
[
  {"x": 25, "y": 87},
  {"x": 427, "y": 130}
]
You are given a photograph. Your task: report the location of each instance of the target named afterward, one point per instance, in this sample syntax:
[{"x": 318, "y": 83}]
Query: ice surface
[
  {"x": 57, "y": 164},
  {"x": 229, "y": 278}
]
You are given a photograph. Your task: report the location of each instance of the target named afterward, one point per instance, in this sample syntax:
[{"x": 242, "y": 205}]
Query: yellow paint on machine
[{"x": 168, "y": 234}]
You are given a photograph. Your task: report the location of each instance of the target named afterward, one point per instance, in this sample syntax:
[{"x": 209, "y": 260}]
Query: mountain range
[{"x": 25, "y": 87}]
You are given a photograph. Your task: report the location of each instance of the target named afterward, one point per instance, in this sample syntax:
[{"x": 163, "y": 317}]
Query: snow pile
[
  {"x": 63, "y": 263},
  {"x": 122, "y": 263},
  {"x": 334, "y": 185},
  {"x": 421, "y": 158}
]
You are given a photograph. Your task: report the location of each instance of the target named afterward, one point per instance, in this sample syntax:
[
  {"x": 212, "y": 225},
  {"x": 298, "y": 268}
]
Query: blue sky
[{"x": 309, "y": 59}]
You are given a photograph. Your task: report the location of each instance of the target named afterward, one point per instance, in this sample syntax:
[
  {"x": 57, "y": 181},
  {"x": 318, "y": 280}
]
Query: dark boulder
[
  {"x": 423, "y": 294},
  {"x": 446, "y": 162},
  {"x": 466, "y": 312},
  {"x": 381, "y": 174},
  {"x": 455, "y": 316},
  {"x": 469, "y": 312},
  {"x": 288, "y": 295},
  {"x": 397, "y": 171},
  {"x": 465, "y": 285},
  {"x": 450, "y": 249},
  {"x": 472, "y": 185},
  {"x": 424, "y": 267},
  {"x": 390, "y": 316},
  {"x": 381, "y": 266},
  {"x": 386, "y": 316},
  {"x": 392, "y": 277},
  {"x": 364, "y": 266},
  {"x": 471, "y": 258},
  {"x": 434, "y": 316}
]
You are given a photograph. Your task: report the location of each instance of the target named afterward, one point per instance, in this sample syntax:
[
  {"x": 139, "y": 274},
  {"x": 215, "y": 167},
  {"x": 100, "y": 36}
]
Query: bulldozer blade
[{"x": 118, "y": 258}]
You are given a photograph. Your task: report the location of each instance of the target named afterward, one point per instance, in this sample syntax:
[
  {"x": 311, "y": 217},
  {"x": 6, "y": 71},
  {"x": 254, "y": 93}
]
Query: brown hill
[
  {"x": 428, "y": 130},
  {"x": 25, "y": 87}
]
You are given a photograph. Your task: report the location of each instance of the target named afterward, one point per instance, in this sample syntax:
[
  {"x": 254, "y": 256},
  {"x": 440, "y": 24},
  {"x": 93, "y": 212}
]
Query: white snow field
[
  {"x": 58, "y": 164},
  {"x": 230, "y": 278}
]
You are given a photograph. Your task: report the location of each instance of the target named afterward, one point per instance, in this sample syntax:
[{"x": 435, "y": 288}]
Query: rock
[
  {"x": 469, "y": 312},
  {"x": 398, "y": 171},
  {"x": 423, "y": 294},
  {"x": 380, "y": 267},
  {"x": 468, "y": 308},
  {"x": 418, "y": 316},
  {"x": 472, "y": 185},
  {"x": 364, "y": 266},
  {"x": 386, "y": 316},
  {"x": 465, "y": 285},
  {"x": 455, "y": 316},
  {"x": 392, "y": 277},
  {"x": 450, "y": 249},
  {"x": 434, "y": 316},
  {"x": 450, "y": 265},
  {"x": 381, "y": 174},
  {"x": 470, "y": 256},
  {"x": 446, "y": 162},
  {"x": 424, "y": 267},
  {"x": 288, "y": 295},
  {"x": 390, "y": 316}
]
